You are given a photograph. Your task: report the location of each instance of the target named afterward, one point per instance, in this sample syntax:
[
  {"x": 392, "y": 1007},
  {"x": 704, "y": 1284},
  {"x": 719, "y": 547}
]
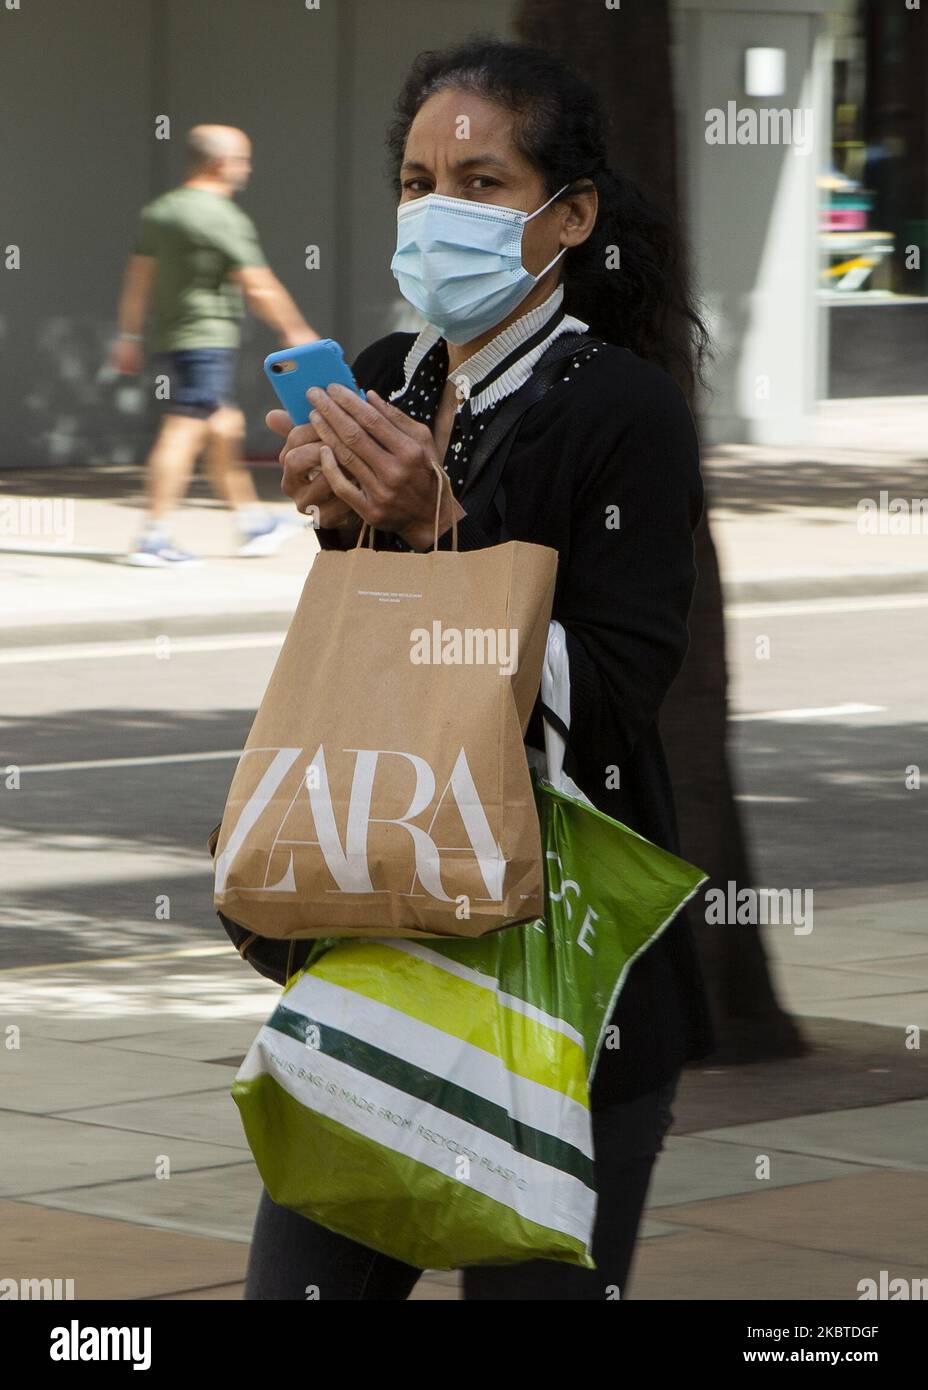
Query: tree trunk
[{"x": 626, "y": 54}]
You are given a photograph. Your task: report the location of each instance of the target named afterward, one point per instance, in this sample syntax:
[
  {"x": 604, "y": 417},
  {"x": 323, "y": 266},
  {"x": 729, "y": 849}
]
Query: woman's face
[{"x": 461, "y": 146}]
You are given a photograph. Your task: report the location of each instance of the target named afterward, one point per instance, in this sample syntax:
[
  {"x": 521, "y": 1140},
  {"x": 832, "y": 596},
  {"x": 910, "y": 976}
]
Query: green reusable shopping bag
[{"x": 430, "y": 1098}]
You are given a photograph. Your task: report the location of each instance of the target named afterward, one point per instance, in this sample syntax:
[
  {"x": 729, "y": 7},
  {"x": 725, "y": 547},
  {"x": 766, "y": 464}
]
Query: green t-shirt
[{"x": 197, "y": 238}]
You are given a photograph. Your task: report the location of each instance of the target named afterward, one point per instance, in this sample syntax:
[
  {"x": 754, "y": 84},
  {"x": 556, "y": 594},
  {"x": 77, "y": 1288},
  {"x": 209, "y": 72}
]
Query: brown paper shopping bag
[{"x": 384, "y": 788}]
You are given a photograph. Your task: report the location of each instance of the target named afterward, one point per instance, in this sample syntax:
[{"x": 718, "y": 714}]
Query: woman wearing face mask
[{"x": 546, "y": 385}]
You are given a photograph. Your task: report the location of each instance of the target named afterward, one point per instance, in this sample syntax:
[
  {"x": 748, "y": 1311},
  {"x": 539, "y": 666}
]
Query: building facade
[{"x": 97, "y": 105}]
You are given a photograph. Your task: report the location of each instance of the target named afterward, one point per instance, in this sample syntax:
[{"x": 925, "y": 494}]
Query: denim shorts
[{"x": 200, "y": 380}]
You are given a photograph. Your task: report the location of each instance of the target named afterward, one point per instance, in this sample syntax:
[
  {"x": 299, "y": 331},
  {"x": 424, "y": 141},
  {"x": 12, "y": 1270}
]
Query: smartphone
[{"x": 294, "y": 370}]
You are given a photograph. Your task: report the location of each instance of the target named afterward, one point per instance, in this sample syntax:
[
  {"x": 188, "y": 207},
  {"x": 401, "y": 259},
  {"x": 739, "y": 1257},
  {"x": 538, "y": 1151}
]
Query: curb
[
  {"x": 146, "y": 626},
  {"x": 845, "y": 584},
  {"x": 788, "y": 589}
]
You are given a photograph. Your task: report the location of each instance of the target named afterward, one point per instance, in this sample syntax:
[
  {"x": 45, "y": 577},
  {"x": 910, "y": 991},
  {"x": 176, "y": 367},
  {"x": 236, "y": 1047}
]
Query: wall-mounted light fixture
[{"x": 765, "y": 72}]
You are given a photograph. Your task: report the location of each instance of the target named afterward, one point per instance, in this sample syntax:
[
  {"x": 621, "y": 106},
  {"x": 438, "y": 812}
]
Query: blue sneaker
[
  {"x": 267, "y": 537},
  {"x": 157, "y": 552}
]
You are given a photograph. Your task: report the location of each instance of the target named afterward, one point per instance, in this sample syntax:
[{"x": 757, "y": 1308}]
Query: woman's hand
[
  {"x": 302, "y": 478},
  {"x": 379, "y": 463}
]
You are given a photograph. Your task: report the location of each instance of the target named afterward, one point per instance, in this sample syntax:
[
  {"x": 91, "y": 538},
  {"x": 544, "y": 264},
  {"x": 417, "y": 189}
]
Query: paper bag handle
[{"x": 366, "y": 533}]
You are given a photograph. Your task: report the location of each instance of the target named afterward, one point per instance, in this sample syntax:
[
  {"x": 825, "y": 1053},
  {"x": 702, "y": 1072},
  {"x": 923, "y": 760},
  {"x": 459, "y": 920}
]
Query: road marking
[
  {"x": 180, "y": 953},
  {"x": 156, "y": 760},
  {"x": 803, "y": 607},
  {"x": 746, "y": 796},
  {"x": 821, "y": 712},
  {"x": 176, "y": 646},
  {"x": 92, "y": 763}
]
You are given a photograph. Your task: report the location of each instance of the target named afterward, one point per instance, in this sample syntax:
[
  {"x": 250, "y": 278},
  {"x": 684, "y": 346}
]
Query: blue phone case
[{"x": 317, "y": 364}]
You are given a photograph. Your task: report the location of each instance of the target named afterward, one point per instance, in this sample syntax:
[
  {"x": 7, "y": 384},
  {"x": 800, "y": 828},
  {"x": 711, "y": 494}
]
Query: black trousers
[{"x": 293, "y": 1258}]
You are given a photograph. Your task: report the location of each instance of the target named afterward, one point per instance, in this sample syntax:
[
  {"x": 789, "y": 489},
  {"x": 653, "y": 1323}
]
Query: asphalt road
[{"x": 119, "y": 787}]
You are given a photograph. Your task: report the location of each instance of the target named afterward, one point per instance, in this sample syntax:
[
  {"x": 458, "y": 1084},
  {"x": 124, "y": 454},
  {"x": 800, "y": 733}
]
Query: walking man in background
[{"x": 198, "y": 258}]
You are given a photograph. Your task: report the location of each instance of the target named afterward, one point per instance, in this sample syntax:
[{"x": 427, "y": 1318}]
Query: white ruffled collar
[{"x": 476, "y": 368}]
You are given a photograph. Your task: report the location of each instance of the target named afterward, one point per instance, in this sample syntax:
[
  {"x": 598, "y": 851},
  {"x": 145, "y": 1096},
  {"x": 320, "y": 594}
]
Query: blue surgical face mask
[{"x": 460, "y": 262}]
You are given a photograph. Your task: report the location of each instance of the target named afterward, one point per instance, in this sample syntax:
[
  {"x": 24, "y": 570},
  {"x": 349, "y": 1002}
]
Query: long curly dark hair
[{"x": 646, "y": 305}]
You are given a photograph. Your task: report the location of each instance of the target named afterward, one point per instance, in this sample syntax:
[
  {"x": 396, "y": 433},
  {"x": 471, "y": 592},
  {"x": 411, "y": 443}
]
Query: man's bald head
[{"x": 219, "y": 151}]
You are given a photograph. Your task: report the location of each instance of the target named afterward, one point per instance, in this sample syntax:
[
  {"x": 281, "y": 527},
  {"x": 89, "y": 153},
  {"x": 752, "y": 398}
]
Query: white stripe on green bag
[
  {"x": 419, "y": 990},
  {"x": 450, "y": 1059},
  {"x": 358, "y": 1101}
]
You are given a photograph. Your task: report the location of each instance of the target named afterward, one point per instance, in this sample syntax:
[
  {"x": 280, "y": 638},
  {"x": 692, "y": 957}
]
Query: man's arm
[
  {"x": 134, "y": 299},
  {"x": 266, "y": 297}
]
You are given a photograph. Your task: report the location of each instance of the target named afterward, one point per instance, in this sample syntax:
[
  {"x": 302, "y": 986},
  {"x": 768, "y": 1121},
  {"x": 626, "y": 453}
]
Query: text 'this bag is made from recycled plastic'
[
  {"x": 430, "y": 1099},
  {"x": 384, "y": 788}
]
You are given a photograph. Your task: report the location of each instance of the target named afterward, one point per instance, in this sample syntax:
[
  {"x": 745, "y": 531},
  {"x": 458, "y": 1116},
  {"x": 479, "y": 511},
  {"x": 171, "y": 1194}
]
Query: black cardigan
[{"x": 613, "y": 431}]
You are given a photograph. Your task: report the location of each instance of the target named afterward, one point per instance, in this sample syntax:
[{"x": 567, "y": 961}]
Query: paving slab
[
  {"x": 880, "y": 1218},
  {"x": 111, "y": 1030},
  {"x": 46, "y": 1075},
  {"x": 652, "y": 1229},
  {"x": 208, "y": 1116},
  {"x": 217, "y": 1293},
  {"x": 864, "y": 905},
  {"x": 112, "y": 1260},
  {"x": 833, "y": 942},
  {"x": 722, "y": 1268},
  {"x": 193, "y": 1040},
  {"x": 882, "y": 1136},
  {"x": 804, "y": 984},
  {"x": 914, "y": 967},
  {"x": 430, "y": 1288},
  {"x": 697, "y": 1169},
  {"x": 41, "y": 1153},
  {"x": 891, "y": 1010},
  {"x": 219, "y": 1203},
  {"x": 849, "y": 1065}
]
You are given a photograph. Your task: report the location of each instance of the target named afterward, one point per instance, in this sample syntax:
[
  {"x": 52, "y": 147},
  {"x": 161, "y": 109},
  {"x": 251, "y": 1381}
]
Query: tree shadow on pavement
[{"x": 778, "y": 486}]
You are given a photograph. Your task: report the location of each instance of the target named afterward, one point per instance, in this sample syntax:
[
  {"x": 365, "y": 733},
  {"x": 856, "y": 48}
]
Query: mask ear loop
[
  {"x": 548, "y": 203},
  {"x": 563, "y": 249},
  {"x": 560, "y": 253}
]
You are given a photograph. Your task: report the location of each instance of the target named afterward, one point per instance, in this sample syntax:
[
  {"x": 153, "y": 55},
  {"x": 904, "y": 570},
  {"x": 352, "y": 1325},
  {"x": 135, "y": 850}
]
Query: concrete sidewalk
[
  {"x": 785, "y": 523},
  {"x": 790, "y": 523},
  {"x": 124, "y": 1066},
  {"x": 81, "y": 586}
]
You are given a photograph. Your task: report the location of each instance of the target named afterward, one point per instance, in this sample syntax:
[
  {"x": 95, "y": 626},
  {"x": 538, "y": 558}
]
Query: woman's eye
[
  {"x": 415, "y": 186},
  {"x": 481, "y": 181}
]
